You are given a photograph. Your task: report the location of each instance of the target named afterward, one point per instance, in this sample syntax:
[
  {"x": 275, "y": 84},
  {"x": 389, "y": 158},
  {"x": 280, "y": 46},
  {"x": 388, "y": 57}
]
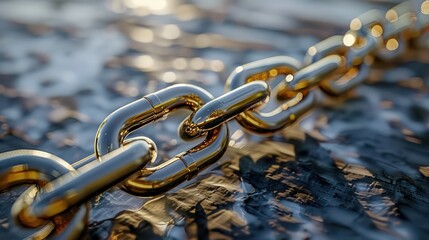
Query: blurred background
[{"x": 356, "y": 167}]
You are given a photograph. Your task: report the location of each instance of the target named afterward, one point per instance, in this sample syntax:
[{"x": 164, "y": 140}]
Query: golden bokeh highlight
[
  {"x": 180, "y": 63},
  {"x": 153, "y": 6},
  {"x": 144, "y": 61},
  {"x": 186, "y": 12},
  {"x": 425, "y": 7},
  {"x": 349, "y": 40},
  {"x": 273, "y": 72},
  {"x": 391, "y": 15},
  {"x": 355, "y": 24},
  {"x": 169, "y": 77},
  {"x": 377, "y": 30},
  {"x": 216, "y": 66},
  {"x": 170, "y": 32},
  {"x": 142, "y": 35},
  {"x": 392, "y": 44},
  {"x": 197, "y": 63}
]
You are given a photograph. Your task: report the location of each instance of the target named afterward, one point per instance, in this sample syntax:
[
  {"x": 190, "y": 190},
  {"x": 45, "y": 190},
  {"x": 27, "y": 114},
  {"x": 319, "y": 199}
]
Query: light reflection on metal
[
  {"x": 93, "y": 178},
  {"x": 346, "y": 76},
  {"x": 182, "y": 167},
  {"x": 392, "y": 44},
  {"x": 222, "y": 109},
  {"x": 29, "y": 166},
  {"x": 425, "y": 7},
  {"x": 268, "y": 123},
  {"x": 348, "y": 40}
]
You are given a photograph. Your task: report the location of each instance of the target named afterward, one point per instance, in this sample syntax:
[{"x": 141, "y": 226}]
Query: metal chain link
[{"x": 335, "y": 65}]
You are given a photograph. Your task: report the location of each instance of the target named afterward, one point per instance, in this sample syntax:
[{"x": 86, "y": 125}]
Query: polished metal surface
[
  {"x": 152, "y": 107},
  {"x": 346, "y": 77},
  {"x": 182, "y": 167},
  {"x": 36, "y": 167},
  {"x": 76, "y": 188},
  {"x": 222, "y": 109},
  {"x": 309, "y": 76},
  {"x": 285, "y": 114}
]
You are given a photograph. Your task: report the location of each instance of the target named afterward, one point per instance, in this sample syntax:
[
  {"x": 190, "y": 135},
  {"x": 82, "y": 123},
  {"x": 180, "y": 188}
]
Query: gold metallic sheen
[
  {"x": 310, "y": 75},
  {"x": 157, "y": 180},
  {"x": 184, "y": 166},
  {"x": 271, "y": 122},
  {"x": 75, "y": 188},
  {"x": 222, "y": 109},
  {"x": 36, "y": 167},
  {"x": 345, "y": 77}
]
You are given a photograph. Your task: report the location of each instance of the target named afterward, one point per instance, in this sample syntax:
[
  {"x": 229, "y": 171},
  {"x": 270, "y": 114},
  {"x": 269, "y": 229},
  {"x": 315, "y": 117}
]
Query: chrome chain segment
[{"x": 336, "y": 65}]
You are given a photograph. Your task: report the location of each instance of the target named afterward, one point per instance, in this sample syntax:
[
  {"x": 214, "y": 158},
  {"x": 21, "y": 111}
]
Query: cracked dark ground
[{"x": 357, "y": 167}]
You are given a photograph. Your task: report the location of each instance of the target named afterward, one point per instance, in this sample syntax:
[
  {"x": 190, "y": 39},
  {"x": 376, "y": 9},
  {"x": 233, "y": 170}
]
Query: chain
[{"x": 335, "y": 65}]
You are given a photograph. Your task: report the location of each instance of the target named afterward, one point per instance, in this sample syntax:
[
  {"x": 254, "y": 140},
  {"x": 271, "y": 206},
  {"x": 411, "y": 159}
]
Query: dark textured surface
[{"x": 355, "y": 168}]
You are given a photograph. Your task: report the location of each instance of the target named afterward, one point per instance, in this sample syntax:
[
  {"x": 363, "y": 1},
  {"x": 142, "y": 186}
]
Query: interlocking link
[
  {"x": 36, "y": 167},
  {"x": 336, "y": 65},
  {"x": 76, "y": 188},
  {"x": 120, "y": 123},
  {"x": 417, "y": 14},
  {"x": 396, "y": 35},
  {"x": 222, "y": 109},
  {"x": 421, "y": 9},
  {"x": 309, "y": 76},
  {"x": 283, "y": 115},
  {"x": 182, "y": 167},
  {"x": 346, "y": 76}
]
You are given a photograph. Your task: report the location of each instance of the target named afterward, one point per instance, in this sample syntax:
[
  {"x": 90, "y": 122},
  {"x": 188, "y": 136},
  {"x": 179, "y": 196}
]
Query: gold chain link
[{"x": 336, "y": 65}]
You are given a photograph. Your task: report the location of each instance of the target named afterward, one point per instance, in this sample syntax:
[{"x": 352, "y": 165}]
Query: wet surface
[{"x": 357, "y": 167}]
